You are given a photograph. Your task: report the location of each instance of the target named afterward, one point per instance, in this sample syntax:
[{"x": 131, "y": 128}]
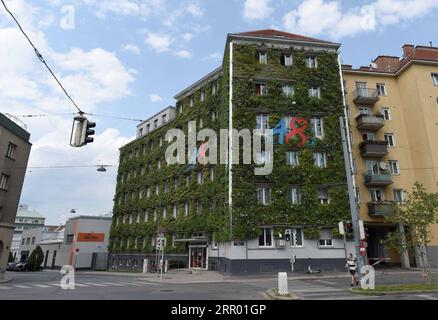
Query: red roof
[{"x": 271, "y": 33}]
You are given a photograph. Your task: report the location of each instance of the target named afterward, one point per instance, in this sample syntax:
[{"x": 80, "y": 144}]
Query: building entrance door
[{"x": 198, "y": 257}]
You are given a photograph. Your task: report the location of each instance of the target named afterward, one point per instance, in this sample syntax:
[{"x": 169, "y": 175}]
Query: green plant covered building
[{"x": 225, "y": 217}]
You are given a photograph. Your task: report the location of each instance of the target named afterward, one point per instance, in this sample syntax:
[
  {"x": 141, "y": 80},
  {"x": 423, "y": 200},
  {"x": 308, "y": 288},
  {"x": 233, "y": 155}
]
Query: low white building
[{"x": 31, "y": 238}]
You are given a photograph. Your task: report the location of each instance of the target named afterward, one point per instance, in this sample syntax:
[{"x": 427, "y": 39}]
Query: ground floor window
[
  {"x": 265, "y": 238},
  {"x": 325, "y": 238}
]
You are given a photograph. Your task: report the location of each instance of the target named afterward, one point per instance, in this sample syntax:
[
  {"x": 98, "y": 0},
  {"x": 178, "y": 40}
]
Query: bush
[
  {"x": 11, "y": 257},
  {"x": 35, "y": 259}
]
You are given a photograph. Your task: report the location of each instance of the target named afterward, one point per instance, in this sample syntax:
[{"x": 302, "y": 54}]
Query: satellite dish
[
  {"x": 383, "y": 166},
  {"x": 374, "y": 66}
]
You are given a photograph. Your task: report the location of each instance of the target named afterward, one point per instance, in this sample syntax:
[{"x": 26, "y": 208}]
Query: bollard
[
  {"x": 166, "y": 266},
  {"x": 145, "y": 265},
  {"x": 282, "y": 284}
]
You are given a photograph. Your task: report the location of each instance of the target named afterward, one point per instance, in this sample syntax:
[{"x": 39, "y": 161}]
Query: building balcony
[
  {"x": 370, "y": 122},
  {"x": 380, "y": 209},
  {"x": 373, "y": 149},
  {"x": 366, "y": 96},
  {"x": 378, "y": 180}
]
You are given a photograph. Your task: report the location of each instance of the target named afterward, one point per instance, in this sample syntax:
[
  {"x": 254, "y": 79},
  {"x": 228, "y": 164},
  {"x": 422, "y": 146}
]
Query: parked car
[
  {"x": 10, "y": 266},
  {"x": 21, "y": 266}
]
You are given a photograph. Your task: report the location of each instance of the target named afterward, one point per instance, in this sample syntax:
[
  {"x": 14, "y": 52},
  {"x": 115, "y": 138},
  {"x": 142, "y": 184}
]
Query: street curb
[
  {"x": 271, "y": 294},
  {"x": 6, "y": 280},
  {"x": 389, "y": 293}
]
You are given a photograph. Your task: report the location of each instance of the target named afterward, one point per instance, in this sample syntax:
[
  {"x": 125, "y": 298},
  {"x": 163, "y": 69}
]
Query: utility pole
[{"x": 352, "y": 197}]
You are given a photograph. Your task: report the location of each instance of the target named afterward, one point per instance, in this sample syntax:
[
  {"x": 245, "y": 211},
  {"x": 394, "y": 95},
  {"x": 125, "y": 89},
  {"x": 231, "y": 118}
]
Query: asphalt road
[{"x": 46, "y": 286}]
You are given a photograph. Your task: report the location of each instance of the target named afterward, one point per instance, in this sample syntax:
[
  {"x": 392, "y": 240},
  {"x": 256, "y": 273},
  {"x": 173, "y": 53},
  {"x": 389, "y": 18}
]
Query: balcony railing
[
  {"x": 378, "y": 180},
  {"x": 380, "y": 209},
  {"x": 366, "y": 96},
  {"x": 370, "y": 122},
  {"x": 373, "y": 149}
]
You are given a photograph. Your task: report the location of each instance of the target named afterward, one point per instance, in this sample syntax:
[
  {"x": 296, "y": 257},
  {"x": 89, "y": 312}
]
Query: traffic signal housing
[
  {"x": 287, "y": 237},
  {"x": 349, "y": 227},
  {"x": 82, "y": 132},
  {"x": 89, "y": 132}
]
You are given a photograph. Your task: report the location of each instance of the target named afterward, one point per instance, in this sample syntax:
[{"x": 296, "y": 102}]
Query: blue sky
[{"x": 130, "y": 57}]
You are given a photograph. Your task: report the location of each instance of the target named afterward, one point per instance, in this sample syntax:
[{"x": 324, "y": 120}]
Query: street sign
[{"x": 361, "y": 230}]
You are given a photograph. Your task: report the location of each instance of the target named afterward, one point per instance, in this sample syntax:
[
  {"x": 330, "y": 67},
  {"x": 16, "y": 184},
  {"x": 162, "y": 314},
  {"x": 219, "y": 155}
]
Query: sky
[{"x": 128, "y": 58}]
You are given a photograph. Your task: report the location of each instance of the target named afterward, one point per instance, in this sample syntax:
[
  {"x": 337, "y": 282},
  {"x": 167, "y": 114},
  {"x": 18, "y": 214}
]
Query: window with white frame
[
  {"x": 311, "y": 62},
  {"x": 161, "y": 141},
  {"x": 264, "y": 195},
  {"x": 187, "y": 180},
  {"x": 286, "y": 60},
  {"x": 262, "y": 121},
  {"x": 288, "y": 90},
  {"x": 325, "y": 238},
  {"x": 261, "y": 89},
  {"x": 130, "y": 219},
  {"x": 213, "y": 115},
  {"x": 317, "y": 127},
  {"x": 435, "y": 79},
  {"x": 146, "y": 216},
  {"x": 164, "y": 213},
  {"x": 386, "y": 113},
  {"x": 323, "y": 196},
  {"x": 175, "y": 210},
  {"x": 262, "y": 57},
  {"x": 399, "y": 196},
  {"x": 140, "y": 194},
  {"x": 389, "y": 137},
  {"x": 373, "y": 167},
  {"x": 212, "y": 174},
  {"x": 138, "y": 218},
  {"x": 159, "y": 164},
  {"x": 214, "y": 88},
  {"x": 155, "y": 215},
  {"x": 4, "y": 181},
  {"x": 368, "y": 136},
  {"x": 201, "y": 123},
  {"x": 191, "y": 101},
  {"x": 12, "y": 148},
  {"x": 320, "y": 160},
  {"x": 175, "y": 182},
  {"x": 198, "y": 206},
  {"x": 156, "y": 123},
  {"x": 148, "y": 192},
  {"x": 294, "y": 195},
  {"x": 157, "y": 189},
  {"x": 202, "y": 95},
  {"x": 186, "y": 208},
  {"x": 266, "y": 237},
  {"x": 292, "y": 158},
  {"x": 377, "y": 195},
  {"x": 200, "y": 177},
  {"x": 164, "y": 118},
  {"x": 315, "y": 92},
  {"x": 381, "y": 89},
  {"x": 394, "y": 167},
  {"x": 166, "y": 187},
  {"x": 364, "y": 110}
]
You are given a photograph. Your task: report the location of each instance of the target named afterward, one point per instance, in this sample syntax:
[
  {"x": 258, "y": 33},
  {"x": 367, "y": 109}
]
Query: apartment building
[
  {"x": 393, "y": 107},
  {"x": 14, "y": 155},
  {"x": 222, "y": 216}
]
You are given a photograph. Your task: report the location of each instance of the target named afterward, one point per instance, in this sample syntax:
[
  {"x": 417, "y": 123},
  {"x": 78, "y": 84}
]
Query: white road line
[
  {"x": 318, "y": 290},
  {"x": 326, "y": 282},
  {"x": 81, "y": 285},
  {"x": 96, "y": 284},
  {"x": 425, "y": 296},
  {"x": 146, "y": 283},
  {"x": 21, "y": 286},
  {"x": 54, "y": 284},
  {"x": 41, "y": 286},
  {"x": 114, "y": 284},
  {"x": 4, "y": 288}
]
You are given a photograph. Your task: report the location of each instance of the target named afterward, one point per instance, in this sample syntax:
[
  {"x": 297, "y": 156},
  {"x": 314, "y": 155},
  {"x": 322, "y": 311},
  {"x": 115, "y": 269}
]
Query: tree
[
  {"x": 35, "y": 259},
  {"x": 11, "y": 257},
  {"x": 416, "y": 214}
]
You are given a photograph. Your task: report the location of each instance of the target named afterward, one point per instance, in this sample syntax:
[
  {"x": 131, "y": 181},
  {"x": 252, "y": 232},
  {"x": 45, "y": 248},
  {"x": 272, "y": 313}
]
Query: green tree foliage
[
  {"x": 416, "y": 214},
  {"x": 35, "y": 259},
  {"x": 11, "y": 257}
]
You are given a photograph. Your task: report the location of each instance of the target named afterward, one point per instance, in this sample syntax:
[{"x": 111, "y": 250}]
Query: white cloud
[
  {"x": 159, "y": 43},
  {"x": 143, "y": 8},
  {"x": 155, "y": 97},
  {"x": 187, "y": 36},
  {"x": 183, "y": 53},
  {"x": 131, "y": 48},
  {"x": 336, "y": 22},
  {"x": 194, "y": 8},
  {"x": 257, "y": 9}
]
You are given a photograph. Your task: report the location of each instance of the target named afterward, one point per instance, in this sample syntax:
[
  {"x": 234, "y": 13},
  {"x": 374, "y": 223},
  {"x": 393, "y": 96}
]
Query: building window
[
  {"x": 186, "y": 208},
  {"x": 212, "y": 174},
  {"x": 141, "y": 132},
  {"x": 265, "y": 238},
  {"x": 365, "y": 111},
  {"x": 138, "y": 218},
  {"x": 164, "y": 118},
  {"x": 159, "y": 164},
  {"x": 394, "y": 167},
  {"x": 368, "y": 136},
  {"x": 315, "y": 92},
  {"x": 164, "y": 213},
  {"x": 22, "y": 241},
  {"x": 292, "y": 158},
  {"x": 198, "y": 206},
  {"x": 399, "y": 196},
  {"x": 166, "y": 187},
  {"x": 377, "y": 195},
  {"x": 317, "y": 127},
  {"x": 148, "y": 192},
  {"x": 156, "y": 123},
  {"x": 11, "y": 150},
  {"x": 148, "y": 128},
  {"x": 175, "y": 210},
  {"x": 27, "y": 241},
  {"x": 381, "y": 89},
  {"x": 191, "y": 101},
  {"x": 264, "y": 195},
  {"x": 130, "y": 219},
  {"x": 214, "y": 88},
  {"x": 435, "y": 79},
  {"x": 187, "y": 181},
  {"x": 200, "y": 177},
  {"x": 320, "y": 160},
  {"x": 286, "y": 60},
  {"x": 201, "y": 123},
  {"x": 176, "y": 182},
  {"x": 155, "y": 215},
  {"x": 261, "y": 89},
  {"x": 69, "y": 239},
  {"x": 145, "y": 216},
  {"x": 202, "y": 95},
  {"x": 311, "y": 62},
  {"x": 262, "y": 121},
  {"x": 325, "y": 238},
  {"x": 297, "y": 238},
  {"x": 213, "y": 115},
  {"x": 294, "y": 195},
  {"x": 4, "y": 182},
  {"x": 262, "y": 57},
  {"x": 386, "y": 113},
  {"x": 389, "y": 137},
  {"x": 323, "y": 196},
  {"x": 288, "y": 90},
  {"x": 157, "y": 189}
]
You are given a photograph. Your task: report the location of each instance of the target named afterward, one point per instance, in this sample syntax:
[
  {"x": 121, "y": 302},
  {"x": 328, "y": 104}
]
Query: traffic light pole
[{"x": 352, "y": 197}]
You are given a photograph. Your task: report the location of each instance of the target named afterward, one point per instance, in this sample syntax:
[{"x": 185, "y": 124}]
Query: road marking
[
  {"x": 54, "y": 284},
  {"x": 81, "y": 285},
  {"x": 327, "y": 282},
  {"x": 41, "y": 286},
  {"x": 114, "y": 284},
  {"x": 4, "y": 288},
  {"x": 96, "y": 284},
  {"x": 146, "y": 283},
  {"x": 318, "y": 290},
  {"x": 21, "y": 286},
  {"x": 424, "y": 296}
]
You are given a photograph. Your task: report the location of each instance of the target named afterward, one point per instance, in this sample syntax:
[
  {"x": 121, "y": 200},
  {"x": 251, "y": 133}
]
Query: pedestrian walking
[{"x": 352, "y": 268}]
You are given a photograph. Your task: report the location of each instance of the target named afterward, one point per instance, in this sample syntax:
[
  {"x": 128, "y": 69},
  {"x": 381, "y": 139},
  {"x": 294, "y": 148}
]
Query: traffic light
[
  {"x": 287, "y": 236},
  {"x": 349, "y": 227},
  {"x": 81, "y": 131}
]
